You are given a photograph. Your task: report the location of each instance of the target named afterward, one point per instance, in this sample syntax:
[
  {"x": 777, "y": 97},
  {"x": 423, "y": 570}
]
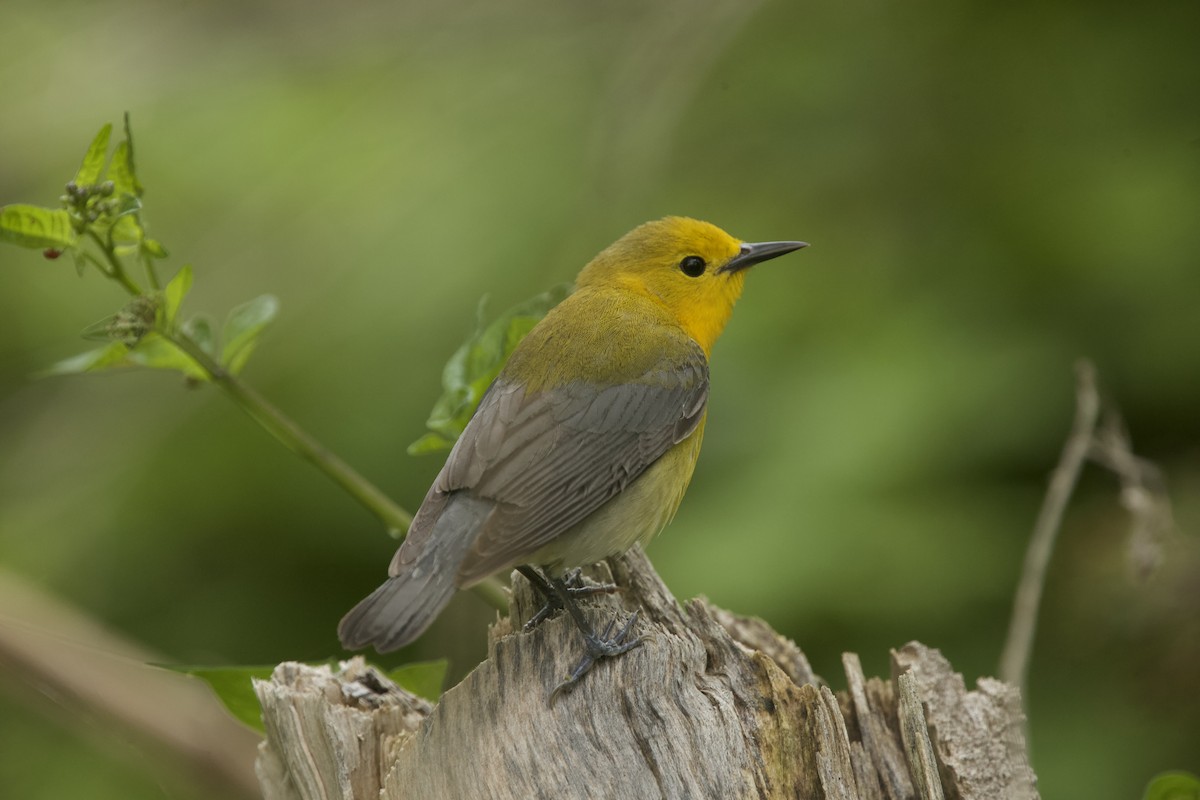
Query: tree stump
[{"x": 711, "y": 705}]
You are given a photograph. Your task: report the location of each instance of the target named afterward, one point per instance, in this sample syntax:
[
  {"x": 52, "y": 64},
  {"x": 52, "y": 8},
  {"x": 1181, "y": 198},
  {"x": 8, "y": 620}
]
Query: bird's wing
[{"x": 548, "y": 459}]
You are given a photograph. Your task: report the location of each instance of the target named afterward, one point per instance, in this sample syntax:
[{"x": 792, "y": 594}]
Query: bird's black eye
[{"x": 692, "y": 266}]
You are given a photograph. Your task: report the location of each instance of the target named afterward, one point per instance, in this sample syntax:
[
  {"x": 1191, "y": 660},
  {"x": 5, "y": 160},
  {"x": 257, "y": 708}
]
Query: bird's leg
[
  {"x": 573, "y": 581},
  {"x": 551, "y": 604},
  {"x": 597, "y": 647}
]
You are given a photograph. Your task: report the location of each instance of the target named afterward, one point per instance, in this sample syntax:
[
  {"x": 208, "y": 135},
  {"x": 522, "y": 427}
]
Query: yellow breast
[{"x": 635, "y": 515}]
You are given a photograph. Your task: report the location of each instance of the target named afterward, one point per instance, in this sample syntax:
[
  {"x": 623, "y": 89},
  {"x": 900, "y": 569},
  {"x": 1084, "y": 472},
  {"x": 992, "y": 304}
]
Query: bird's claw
[
  {"x": 576, "y": 587},
  {"x": 599, "y": 647}
]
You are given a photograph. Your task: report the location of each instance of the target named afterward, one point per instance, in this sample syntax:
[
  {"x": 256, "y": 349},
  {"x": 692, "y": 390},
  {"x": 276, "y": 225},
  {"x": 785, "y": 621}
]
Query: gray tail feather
[
  {"x": 406, "y": 604},
  {"x": 396, "y": 613}
]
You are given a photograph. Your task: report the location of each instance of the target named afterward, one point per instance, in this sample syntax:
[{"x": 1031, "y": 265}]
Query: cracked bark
[{"x": 712, "y": 705}]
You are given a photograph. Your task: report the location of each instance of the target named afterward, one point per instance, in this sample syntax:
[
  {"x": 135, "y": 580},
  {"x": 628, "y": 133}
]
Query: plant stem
[
  {"x": 288, "y": 433},
  {"x": 151, "y": 272},
  {"x": 1014, "y": 660},
  {"x": 493, "y": 592},
  {"x": 117, "y": 272},
  {"x": 293, "y": 437},
  {"x": 272, "y": 419},
  {"x": 296, "y": 439},
  {"x": 97, "y": 263}
]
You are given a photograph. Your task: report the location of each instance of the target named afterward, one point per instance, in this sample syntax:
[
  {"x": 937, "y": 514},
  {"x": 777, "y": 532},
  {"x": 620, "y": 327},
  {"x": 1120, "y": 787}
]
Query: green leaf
[
  {"x": 110, "y": 356},
  {"x": 155, "y": 352},
  {"x": 242, "y": 329},
  {"x": 120, "y": 172},
  {"x": 137, "y": 185},
  {"x": 127, "y": 234},
  {"x": 93, "y": 162},
  {"x": 36, "y": 227},
  {"x": 148, "y": 349},
  {"x": 1173, "y": 786},
  {"x": 423, "y": 678},
  {"x": 128, "y": 205},
  {"x": 175, "y": 291},
  {"x": 234, "y": 686},
  {"x": 199, "y": 329},
  {"x": 125, "y": 226},
  {"x": 473, "y": 367},
  {"x": 154, "y": 248},
  {"x": 430, "y": 443}
]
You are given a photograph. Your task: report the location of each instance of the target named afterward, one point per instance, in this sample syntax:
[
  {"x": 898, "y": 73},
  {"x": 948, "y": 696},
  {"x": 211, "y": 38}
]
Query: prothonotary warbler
[{"x": 585, "y": 442}]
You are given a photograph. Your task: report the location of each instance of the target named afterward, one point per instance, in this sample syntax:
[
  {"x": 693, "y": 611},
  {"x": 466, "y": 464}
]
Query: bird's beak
[{"x": 757, "y": 252}]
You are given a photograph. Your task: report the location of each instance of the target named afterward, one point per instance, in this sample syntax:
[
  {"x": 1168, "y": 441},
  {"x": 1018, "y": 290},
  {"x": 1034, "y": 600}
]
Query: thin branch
[
  {"x": 151, "y": 272},
  {"x": 272, "y": 419},
  {"x": 95, "y": 262},
  {"x": 291, "y": 435},
  {"x": 118, "y": 271},
  {"x": 1014, "y": 661},
  {"x": 296, "y": 439},
  {"x": 1143, "y": 494},
  {"x": 1105, "y": 442}
]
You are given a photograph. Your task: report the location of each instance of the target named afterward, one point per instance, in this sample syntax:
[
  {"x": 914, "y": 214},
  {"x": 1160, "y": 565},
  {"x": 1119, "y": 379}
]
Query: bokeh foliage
[{"x": 990, "y": 190}]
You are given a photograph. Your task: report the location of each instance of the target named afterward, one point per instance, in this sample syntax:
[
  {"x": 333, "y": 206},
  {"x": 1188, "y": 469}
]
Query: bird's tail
[{"x": 407, "y": 603}]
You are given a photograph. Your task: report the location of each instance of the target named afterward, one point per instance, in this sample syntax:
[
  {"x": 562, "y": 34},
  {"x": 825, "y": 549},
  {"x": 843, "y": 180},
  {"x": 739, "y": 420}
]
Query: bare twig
[
  {"x": 1014, "y": 661},
  {"x": 1106, "y": 443},
  {"x": 1143, "y": 493},
  {"x": 295, "y": 438}
]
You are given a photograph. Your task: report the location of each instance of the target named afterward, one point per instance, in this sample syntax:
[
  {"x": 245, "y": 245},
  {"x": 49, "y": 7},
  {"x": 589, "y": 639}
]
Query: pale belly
[{"x": 636, "y": 515}]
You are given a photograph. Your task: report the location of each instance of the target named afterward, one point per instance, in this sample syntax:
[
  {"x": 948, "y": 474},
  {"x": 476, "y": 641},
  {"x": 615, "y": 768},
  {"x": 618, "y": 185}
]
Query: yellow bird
[{"x": 585, "y": 442}]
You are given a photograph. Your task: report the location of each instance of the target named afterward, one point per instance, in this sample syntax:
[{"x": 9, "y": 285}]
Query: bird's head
[{"x": 693, "y": 269}]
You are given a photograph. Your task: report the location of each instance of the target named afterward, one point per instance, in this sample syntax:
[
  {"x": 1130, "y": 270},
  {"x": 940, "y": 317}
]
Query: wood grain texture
[{"x": 711, "y": 705}]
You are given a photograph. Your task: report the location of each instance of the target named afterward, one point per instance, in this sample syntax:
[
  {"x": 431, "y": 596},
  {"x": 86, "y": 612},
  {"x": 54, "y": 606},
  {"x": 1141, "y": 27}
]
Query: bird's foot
[
  {"x": 576, "y": 587},
  {"x": 598, "y": 647}
]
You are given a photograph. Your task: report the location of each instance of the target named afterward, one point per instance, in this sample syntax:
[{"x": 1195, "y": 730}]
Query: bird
[{"x": 584, "y": 443}]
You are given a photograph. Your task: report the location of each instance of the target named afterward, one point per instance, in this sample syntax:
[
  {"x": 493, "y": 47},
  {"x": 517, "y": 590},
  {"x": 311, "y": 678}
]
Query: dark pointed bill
[{"x": 758, "y": 252}]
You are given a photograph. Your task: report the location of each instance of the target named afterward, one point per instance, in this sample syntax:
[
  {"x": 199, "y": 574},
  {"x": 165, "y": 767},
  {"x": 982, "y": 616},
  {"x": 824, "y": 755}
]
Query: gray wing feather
[{"x": 550, "y": 459}]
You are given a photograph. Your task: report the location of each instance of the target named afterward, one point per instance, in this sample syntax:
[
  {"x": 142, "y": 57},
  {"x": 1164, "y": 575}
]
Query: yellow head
[{"x": 693, "y": 269}]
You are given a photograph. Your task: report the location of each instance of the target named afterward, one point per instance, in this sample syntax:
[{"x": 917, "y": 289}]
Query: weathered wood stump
[{"x": 712, "y": 705}]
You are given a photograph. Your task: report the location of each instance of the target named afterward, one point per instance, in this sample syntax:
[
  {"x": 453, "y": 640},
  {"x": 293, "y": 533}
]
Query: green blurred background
[{"x": 991, "y": 190}]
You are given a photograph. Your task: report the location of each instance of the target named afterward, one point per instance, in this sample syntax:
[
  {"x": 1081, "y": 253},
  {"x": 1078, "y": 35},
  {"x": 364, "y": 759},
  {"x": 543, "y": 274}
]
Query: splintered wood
[{"x": 711, "y": 705}]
